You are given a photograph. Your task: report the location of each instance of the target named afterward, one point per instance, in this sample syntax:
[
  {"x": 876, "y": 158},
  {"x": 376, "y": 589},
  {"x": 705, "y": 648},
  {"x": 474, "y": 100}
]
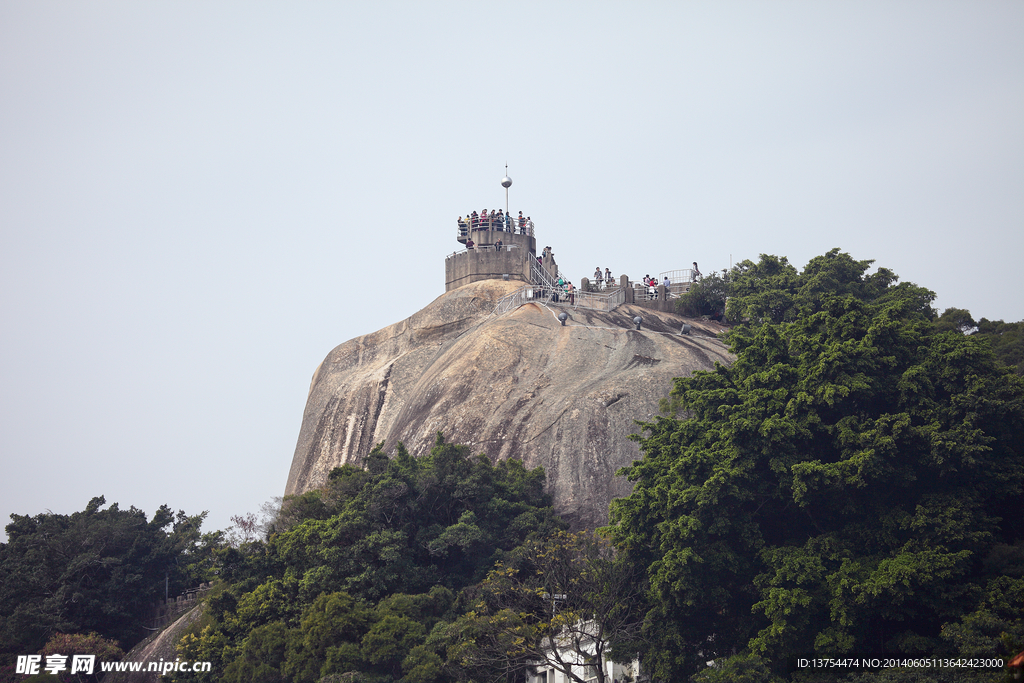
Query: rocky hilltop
[{"x": 517, "y": 385}]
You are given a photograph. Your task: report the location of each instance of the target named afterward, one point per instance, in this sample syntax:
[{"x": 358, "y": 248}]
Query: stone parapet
[
  {"x": 166, "y": 611},
  {"x": 486, "y": 261}
]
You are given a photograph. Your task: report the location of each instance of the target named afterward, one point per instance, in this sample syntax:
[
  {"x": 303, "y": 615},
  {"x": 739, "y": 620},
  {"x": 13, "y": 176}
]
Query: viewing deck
[
  {"x": 471, "y": 226},
  {"x": 494, "y": 252}
]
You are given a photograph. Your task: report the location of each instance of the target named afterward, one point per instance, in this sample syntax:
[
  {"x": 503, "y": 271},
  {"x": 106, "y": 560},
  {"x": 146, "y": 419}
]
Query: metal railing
[
  {"x": 648, "y": 293},
  {"x": 604, "y": 285},
  {"x": 642, "y": 292},
  {"x": 514, "y": 300},
  {"x": 545, "y": 294},
  {"x": 677, "y": 276},
  {"x": 539, "y": 276},
  {"x": 600, "y": 301},
  {"x": 466, "y": 229}
]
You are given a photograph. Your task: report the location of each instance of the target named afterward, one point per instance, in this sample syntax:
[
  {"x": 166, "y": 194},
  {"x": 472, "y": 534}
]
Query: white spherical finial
[{"x": 506, "y": 182}]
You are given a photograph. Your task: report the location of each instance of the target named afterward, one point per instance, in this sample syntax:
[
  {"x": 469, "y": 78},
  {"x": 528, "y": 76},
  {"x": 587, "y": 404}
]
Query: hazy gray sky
[{"x": 198, "y": 201}]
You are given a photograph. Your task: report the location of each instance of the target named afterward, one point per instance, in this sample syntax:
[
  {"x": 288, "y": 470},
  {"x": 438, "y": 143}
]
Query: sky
[{"x": 199, "y": 200}]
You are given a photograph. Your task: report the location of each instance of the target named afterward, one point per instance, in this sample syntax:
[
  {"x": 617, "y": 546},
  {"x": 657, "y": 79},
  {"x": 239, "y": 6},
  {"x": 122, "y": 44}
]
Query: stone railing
[
  {"x": 166, "y": 611},
  {"x": 483, "y": 247}
]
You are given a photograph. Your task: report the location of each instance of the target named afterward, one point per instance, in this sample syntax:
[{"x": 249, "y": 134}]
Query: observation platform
[
  {"x": 508, "y": 224},
  {"x": 495, "y": 253}
]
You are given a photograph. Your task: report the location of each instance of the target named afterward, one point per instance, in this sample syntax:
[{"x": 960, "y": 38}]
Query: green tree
[
  {"x": 564, "y": 601},
  {"x": 837, "y": 488},
  {"x": 1007, "y": 341},
  {"x": 331, "y": 630},
  {"x": 741, "y": 668},
  {"x": 440, "y": 519},
  {"x": 261, "y": 655},
  {"x": 706, "y": 297},
  {"x": 956, "y": 320},
  {"x": 355, "y": 576},
  {"x": 97, "y": 570},
  {"x": 762, "y": 291}
]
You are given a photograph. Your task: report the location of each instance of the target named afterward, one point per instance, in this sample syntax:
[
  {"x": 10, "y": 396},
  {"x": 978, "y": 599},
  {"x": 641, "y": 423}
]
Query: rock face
[
  {"x": 517, "y": 385},
  {"x": 162, "y": 646}
]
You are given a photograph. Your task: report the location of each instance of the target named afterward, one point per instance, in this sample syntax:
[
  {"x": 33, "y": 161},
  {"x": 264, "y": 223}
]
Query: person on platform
[
  {"x": 522, "y": 224},
  {"x": 608, "y": 277},
  {"x": 652, "y": 290},
  {"x": 498, "y": 245},
  {"x": 529, "y": 226},
  {"x": 469, "y": 243},
  {"x": 666, "y": 283},
  {"x": 695, "y": 275},
  {"x": 598, "y": 277}
]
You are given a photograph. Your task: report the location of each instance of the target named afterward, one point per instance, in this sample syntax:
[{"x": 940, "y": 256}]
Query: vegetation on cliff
[
  {"x": 366, "y": 575},
  {"x": 851, "y": 484},
  {"x": 98, "y": 571}
]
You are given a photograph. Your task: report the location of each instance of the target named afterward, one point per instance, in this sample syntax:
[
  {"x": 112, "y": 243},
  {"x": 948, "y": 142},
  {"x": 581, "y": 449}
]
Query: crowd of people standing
[{"x": 495, "y": 220}]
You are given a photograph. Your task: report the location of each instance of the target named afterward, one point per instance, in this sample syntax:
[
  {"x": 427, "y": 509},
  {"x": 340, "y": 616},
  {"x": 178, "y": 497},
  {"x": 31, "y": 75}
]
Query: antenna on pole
[{"x": 506, "y": 182}]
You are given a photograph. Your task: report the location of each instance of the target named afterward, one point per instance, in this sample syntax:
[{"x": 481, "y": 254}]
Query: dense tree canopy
[
  {"x": 850, "y": 484},
  {"x": 356, "y": 576},
  {"x": 1007, "y": 341},
  {"x": 98, "y": 570}
]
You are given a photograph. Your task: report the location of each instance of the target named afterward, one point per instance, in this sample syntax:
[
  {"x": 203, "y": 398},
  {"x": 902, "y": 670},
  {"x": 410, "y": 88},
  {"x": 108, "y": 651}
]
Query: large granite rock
[{"x": 518, "y": 385}]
